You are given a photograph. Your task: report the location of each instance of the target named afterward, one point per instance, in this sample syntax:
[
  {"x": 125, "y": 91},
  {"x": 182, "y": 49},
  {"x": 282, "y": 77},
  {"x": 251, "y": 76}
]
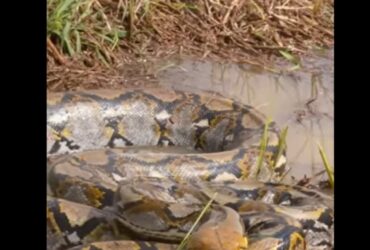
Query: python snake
[{"x": 134, "y": 168}]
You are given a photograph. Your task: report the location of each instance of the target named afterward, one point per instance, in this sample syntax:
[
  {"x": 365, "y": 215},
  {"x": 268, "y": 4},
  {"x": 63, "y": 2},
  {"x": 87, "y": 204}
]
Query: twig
[{"x": 55, "y": 53}]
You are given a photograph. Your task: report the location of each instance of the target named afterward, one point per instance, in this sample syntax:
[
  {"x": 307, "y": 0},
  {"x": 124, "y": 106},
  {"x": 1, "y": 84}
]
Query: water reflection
[{"x": 302, "y": 100}]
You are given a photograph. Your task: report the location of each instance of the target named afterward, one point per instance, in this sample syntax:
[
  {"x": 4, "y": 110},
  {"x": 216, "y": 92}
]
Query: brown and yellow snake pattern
[{"x": 134, "y": 168}]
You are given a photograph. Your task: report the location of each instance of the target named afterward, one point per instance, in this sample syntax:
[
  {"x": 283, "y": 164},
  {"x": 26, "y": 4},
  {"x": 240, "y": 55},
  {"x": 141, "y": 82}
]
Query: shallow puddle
[{"x": 302, "y": 100}]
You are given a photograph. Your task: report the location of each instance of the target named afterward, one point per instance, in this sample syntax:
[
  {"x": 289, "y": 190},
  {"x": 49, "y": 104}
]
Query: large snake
[{"x": 135, "y": 168}]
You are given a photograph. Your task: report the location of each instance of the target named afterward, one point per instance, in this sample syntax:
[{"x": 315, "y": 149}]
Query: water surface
[{"x": 302, "y": 100}]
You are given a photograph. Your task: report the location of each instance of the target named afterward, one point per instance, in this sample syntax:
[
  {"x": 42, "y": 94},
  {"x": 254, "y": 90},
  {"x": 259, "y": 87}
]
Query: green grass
[
  {"x": 272, "y": 162},
  {"x": 328, "y": 168},
  {"x": 294, "y": 59},
  {"x": 263, "y": 146},
  {"x": 205, "y": 209},
  {"x": 281, "y": 146},
  {"x": 82, "y": 25}
]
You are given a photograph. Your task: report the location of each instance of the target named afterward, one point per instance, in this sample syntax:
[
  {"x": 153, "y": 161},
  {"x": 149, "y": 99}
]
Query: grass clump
[{"x": 75, "y": 26}]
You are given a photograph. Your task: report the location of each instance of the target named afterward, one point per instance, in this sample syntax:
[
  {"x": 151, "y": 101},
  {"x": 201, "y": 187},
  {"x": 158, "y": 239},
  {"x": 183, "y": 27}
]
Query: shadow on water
[{"x": 302, "y": 100}]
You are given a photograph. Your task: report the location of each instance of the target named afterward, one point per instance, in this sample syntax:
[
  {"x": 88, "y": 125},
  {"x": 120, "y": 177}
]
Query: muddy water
[{"x": 302, "y": 100}]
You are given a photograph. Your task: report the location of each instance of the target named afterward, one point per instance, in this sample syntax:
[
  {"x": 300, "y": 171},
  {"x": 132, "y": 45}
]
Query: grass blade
[
  {"x": 328, "y": 168},
  {"x": 101, "y": 57},
  {"x": 78, "y": 41},
  {"x": 63, "y": 7},
  {"x": 184, "y": 241},
  {"x": 291, "y": 58},
  {"x": 287, "y": 55},
  {"x": 66, "y": 38},
  {"x": 263, "y": 146},
  {"x": 281, "y": 145},
  {"x": 295, "y": 67}
]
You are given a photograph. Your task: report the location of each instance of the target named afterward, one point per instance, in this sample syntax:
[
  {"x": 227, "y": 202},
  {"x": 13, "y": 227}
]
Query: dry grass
[
  {"x": 107, "y": 32},
  {"x": 75, "y": 75}
]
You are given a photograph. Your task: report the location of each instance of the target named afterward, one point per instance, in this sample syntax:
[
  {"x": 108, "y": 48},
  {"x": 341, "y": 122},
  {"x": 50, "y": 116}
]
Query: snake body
[{"x": 134, "y": 168}]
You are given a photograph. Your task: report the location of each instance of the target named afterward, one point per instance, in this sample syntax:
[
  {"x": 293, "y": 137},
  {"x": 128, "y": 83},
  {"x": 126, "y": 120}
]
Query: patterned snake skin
[{"x": 134, "y": 168}]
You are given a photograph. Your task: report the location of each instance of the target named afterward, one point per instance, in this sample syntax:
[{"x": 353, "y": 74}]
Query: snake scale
[{"x": 134, "y": 168}]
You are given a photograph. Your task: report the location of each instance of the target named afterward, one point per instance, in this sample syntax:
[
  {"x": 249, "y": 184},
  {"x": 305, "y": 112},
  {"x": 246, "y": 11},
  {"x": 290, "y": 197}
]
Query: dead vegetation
[{"x": 104, "y": 36}]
